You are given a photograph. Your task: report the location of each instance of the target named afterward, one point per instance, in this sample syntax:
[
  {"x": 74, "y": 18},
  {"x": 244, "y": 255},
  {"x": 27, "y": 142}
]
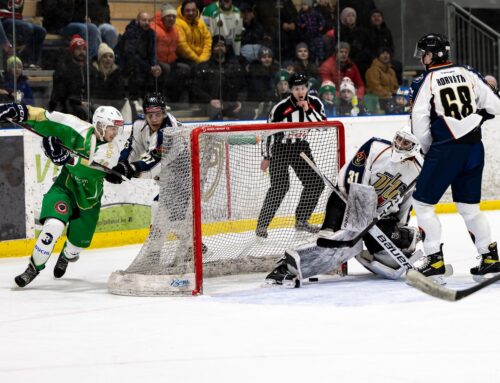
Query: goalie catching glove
[
  {"x": 53, "y": 148},
  {"x": 124, "y": 169}
]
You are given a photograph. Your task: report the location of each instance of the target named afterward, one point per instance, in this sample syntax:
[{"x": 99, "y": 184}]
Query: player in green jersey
[{"x": 74, "y": 200}]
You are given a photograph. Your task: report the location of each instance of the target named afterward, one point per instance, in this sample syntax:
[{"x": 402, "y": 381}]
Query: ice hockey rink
[{"x": 355, "y": 329}]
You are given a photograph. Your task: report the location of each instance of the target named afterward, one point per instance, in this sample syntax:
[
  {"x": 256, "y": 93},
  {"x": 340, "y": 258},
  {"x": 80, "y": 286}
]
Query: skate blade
[
  {"x": 271, "y": 283},
  {"x": 483, "y": 277}
]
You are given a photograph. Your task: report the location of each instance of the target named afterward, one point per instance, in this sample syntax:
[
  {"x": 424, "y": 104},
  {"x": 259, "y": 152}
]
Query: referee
[{"x": 282, "y": 150}]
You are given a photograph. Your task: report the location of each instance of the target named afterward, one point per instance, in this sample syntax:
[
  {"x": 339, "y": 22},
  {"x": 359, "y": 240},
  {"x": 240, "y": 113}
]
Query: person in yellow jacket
[
  {"x": 195, "y": 40},
  {"x": 381, "y": 79}
]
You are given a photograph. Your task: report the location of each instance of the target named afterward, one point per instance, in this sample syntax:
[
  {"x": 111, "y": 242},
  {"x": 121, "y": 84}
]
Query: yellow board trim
[{"x": 24, "y": 247}]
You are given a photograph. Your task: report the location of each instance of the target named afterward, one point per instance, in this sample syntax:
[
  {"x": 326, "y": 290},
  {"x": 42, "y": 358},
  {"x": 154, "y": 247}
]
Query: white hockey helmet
[
  {"x": 105, "y": 116},
  {"x": 404, "y": 145}
]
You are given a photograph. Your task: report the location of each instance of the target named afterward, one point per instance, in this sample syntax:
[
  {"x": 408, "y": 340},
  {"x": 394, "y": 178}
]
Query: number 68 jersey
[
  {"x": 445, "y": 103},
  {"x": 372, "y": 165}
]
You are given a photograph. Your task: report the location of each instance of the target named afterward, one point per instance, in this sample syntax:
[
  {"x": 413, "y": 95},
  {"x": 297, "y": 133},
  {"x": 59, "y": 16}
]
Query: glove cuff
[{"x": 22, "y": 112}]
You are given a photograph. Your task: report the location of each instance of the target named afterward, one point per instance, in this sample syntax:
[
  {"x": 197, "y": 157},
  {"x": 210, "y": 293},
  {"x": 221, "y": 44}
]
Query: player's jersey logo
[
  {"x": 359, "y": 159},
  {"x": 388, "y": 187},
  {"x": 61, "y": 207}
]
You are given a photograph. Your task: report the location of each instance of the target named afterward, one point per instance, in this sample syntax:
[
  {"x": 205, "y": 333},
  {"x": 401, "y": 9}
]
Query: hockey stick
[
  {"x": 379, "y": 236},
  {"x": 424, "y": 284},
  {"x": 91, "y": 164}
]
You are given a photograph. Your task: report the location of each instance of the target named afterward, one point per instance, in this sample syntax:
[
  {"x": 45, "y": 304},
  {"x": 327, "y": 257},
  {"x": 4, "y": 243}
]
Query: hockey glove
[
  {"x": 11, "y": 110},
  {"x": 123, "y": 168},
  {"x": 52, "y": 146}
]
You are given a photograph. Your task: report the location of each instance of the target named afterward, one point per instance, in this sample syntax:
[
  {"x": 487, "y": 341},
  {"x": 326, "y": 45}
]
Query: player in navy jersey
[{"x": 450, "y": 102}]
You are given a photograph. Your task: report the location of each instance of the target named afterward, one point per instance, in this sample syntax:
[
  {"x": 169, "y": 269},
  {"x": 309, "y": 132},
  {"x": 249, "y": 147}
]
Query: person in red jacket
[
  {"x": 329, "y": 71},
  {"x": 175, "y": 73}
]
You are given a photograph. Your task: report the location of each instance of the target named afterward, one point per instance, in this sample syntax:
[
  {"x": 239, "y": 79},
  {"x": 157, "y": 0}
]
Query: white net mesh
[{"x": 241, "y": 230}]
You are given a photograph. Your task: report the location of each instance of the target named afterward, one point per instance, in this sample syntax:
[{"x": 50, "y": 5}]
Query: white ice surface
[{"x": 357, "y": 329}]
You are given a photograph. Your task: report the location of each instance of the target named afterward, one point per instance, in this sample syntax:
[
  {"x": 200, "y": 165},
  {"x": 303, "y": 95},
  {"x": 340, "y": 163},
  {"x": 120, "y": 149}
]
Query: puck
[{"x": 313, "y": 279}]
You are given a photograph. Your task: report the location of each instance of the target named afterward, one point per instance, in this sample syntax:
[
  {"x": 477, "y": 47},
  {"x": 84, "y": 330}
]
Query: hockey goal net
[{"x": 212, "y": 191}]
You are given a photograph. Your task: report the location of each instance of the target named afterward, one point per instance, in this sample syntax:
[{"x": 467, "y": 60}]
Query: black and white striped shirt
[{"x": 287, "y": 110}]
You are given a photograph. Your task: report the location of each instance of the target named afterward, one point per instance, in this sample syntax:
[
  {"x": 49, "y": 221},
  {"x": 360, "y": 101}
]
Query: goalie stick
[
  {"x": 424, "y": 284},
  {"x": 89, "y": 159}
]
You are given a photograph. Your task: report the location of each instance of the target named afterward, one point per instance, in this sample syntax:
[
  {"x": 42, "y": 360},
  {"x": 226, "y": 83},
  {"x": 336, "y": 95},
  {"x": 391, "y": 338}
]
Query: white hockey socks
[
  {"x": 477, "y": 224},
  {"x": 51, "y": 231},
  {"x": 71, "y": 252},
  {"x": 429, "y": 223}
]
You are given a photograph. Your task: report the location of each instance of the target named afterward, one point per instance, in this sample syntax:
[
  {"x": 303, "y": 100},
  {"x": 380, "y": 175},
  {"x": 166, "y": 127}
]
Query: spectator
[
  {"x": 328, "y": 9},
  {"x": 22, "y": 91},
  {"x": 253, "y": 36},
  {"x": 400, "y": 102},
  {"x": 136, "y": 53},
  {"x": 69, "y": 92},
  {"x": 224, "y": 19},
  {"x": 492, "y": 82},
  {"x": 262, "y": 77},
  {"x": 195, "y": 41},
  {"x": 330, "y": 72},
  {"x": 281, "y": 91},
  {"x": 380, "y": 77},
  {"x": 378, "y": 36},
  {"x": 281, "y": 24},
  {"x": 108, "y": 87},
  {"x": 351, "y": 33},
  {"x": 348, "y": 104},
  {"x": 312, "y": 24},
  {"x": 175, "y": 73},
  {"x": 29, "y": 37},
  {"x": 327, "y": 96},
  {"x": 362, "y": 7},
  {"x": 303, "y": 64},
  {"x": 98, "y": 15},
  {"x": 218, "y": 83},
  {"x": 59, "y": 18}
]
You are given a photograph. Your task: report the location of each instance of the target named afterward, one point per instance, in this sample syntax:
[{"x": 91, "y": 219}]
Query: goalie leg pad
[
  {"x": 314, "y": 260},
  {"x": 380, "y": 269}
]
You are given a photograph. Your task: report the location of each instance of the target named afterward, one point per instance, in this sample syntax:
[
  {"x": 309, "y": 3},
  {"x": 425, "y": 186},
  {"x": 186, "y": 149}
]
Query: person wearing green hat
[
  {"x": 21, "y": 92},
  {"x": 327, "y": 96}
]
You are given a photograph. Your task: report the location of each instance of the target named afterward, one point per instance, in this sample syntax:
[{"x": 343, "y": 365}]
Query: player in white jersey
[
  {"x": 141, "y": 157},
  {"x": 449, "y": 104},
  {"x": 389, "y": 168}
]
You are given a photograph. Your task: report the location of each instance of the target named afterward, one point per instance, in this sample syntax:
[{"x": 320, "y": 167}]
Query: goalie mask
[
  {"x": 404, "y": 145},
  {"x": 106, "y": 117}
]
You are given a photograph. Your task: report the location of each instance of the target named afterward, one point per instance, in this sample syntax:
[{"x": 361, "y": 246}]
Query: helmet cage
[{"x": 404, "y": 145}]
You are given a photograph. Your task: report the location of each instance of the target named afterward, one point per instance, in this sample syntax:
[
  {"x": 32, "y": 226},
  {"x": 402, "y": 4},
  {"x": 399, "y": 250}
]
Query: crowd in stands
[{"x": 231, "y": 57}]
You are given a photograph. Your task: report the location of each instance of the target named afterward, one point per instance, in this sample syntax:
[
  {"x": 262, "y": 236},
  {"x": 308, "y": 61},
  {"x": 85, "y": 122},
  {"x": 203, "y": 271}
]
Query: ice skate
[
  {"x": 280, "y": 276},
  {"x": 26, "y": 277},
  {"x": 62, "y": 265},
  {"x": 433, "y": 267},
  {"x": 488, "y": 266}
]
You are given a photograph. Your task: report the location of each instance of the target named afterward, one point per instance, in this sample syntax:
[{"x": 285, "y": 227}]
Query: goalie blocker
[{"x": 391, "y": 170}]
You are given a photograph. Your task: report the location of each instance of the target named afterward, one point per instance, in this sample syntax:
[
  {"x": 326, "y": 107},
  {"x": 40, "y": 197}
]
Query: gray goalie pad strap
[
  {"x": 316, "y": 260},
  {"x": 361, "y": 207}
]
